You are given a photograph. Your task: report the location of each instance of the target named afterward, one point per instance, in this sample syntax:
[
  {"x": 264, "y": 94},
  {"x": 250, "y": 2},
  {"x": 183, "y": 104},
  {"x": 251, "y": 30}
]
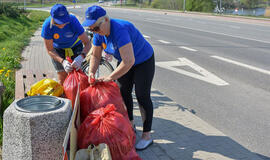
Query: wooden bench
[{"x": 26, "y": 78}]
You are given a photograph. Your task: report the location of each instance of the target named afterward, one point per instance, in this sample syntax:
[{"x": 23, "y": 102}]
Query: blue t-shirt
[
  {"x": 123, "y": 32},
  {"x": 65, "y": 37}
]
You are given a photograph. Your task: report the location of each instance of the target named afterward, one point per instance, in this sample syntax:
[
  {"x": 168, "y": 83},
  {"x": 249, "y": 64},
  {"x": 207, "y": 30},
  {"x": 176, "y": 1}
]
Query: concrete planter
[{"x": 35, "y": 131}]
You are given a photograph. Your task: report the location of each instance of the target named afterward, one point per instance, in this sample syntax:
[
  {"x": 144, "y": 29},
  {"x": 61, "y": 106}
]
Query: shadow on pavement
[
  {"x": 160, "y": 100},
  {"x": 263, "y": 157},
  {"x": 173, "y": 140},
  {"x": 191, "y": 144}
]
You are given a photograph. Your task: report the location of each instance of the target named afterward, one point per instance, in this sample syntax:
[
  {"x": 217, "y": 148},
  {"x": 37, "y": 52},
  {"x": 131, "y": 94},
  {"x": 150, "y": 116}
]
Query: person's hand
[
  {"x": 91, "y": 79},
  {"x": 105, "y": 79},
  {"x": 77, "y": 62},
  {"x": 67, "y": 66}
]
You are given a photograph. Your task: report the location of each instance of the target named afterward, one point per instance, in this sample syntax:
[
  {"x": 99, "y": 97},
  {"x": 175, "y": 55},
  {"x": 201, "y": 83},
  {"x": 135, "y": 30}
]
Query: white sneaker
[{"x": 143, "y": 144}]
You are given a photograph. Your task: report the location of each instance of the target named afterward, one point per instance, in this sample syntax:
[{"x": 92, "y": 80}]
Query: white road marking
[
  {"x": 218, "y": 33},
  {"x": 242, "y": 65},
  {"x": 201, "y": 22},
  {"x": 203, "y": 75},
  {"x": 145, "y": 36},
  {"x": 164, "y": 42},
  {"x": 235, "y": 27},
  {"x": 186, "y": 48},
  {"x": 73, "y": 7}
]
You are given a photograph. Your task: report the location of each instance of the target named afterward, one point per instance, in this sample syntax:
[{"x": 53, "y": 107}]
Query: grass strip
[{"x": 15, "y": 34}]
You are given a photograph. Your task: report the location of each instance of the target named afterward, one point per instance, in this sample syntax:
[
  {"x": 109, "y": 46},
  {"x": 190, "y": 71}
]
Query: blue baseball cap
[
  {"x": 92, "y": 14},
  {"x": 60, "y": 14}
]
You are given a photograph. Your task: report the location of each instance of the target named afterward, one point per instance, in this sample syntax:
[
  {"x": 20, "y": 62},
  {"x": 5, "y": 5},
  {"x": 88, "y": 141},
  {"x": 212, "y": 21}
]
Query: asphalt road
[{"x": 217, "y": 67}]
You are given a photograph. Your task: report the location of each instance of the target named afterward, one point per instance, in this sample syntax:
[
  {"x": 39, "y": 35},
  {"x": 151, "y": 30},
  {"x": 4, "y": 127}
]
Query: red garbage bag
[
  {"x": 71, "y": 83},
  {"x": 105, "y": 125},
  {"x": 99, "y": 95}
]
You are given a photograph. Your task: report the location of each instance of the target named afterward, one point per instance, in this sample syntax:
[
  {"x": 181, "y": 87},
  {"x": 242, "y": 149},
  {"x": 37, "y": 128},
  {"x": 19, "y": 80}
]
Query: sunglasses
[
  {"x": 96, "y": 28},
  {"x": 56, "y": 24}
]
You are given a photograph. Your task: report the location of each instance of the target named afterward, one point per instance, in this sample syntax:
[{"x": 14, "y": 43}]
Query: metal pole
[
  {"x": 24, "y": 4},
  {"x": 220, "y": 10},
  {"x": 184, "y": 6}
]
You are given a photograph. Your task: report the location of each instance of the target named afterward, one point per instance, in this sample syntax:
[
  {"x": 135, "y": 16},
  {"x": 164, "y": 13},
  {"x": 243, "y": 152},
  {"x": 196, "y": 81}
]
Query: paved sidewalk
[
  {"x": 35, "y": 56},
  {"x": 178, "y": 134}
]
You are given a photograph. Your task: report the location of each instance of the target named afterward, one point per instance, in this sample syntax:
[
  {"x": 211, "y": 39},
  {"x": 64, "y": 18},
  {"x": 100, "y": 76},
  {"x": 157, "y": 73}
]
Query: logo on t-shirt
[
  {"x": 69, "y": 34},
  {"x": 104, "y": 46},
  {"x": 56, "y": 36}
]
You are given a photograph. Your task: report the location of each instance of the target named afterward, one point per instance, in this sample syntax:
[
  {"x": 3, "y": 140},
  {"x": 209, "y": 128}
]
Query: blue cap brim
[
  {"x": 88, "y": 23},
  {"x": 62, "y": 20}
]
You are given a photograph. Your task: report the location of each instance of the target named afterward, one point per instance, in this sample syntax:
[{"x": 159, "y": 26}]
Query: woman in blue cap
[
  {"x": 136, "y": 64},
  {"x": 64, "y": 37}
]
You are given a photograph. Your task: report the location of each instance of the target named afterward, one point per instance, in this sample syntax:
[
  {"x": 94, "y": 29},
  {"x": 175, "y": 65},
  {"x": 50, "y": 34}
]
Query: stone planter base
[{"x": 35, "y": 136}]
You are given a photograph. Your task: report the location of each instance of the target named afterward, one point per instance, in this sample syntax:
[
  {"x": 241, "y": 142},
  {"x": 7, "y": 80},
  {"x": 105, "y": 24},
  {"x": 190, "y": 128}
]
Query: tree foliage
[
  {"x": 200, "y": 5},
  {"x": 249, "y": 3},
  {"x": 191, "y": 5}
]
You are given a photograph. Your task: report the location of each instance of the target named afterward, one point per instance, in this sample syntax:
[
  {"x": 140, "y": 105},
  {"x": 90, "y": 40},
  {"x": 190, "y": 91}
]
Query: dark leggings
[{"x": 141, "y": 76}]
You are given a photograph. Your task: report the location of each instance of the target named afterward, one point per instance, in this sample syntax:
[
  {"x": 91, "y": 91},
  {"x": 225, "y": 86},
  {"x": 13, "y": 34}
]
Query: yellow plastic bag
[{"x": 46, "y": 87}]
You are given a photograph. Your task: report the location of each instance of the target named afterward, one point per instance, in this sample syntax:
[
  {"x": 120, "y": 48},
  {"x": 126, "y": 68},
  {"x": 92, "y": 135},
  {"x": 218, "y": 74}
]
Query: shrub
[{"x": 10, "y": 10}]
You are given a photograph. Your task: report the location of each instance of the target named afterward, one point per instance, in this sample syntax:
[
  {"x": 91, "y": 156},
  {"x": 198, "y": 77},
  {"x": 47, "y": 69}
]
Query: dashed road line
[
  {"x": 145, "y": 36},
  {"x": 242, "y": 65},
  {"x": 162, "y": 41},
  {"x": 187, "y": 48},
  {"x": 212, "y": 32},
  {"x": 234, "y": 27}
]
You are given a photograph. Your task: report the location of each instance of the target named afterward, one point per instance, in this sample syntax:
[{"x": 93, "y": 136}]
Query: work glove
[
  {"x": 67, "y": 66},
  {"x": 77, "y": 62}
]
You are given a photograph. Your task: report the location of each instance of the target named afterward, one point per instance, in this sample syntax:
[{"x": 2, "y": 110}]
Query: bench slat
[
  {"x": 19, "y": 85},
  {"x": 26, "y": 78}
]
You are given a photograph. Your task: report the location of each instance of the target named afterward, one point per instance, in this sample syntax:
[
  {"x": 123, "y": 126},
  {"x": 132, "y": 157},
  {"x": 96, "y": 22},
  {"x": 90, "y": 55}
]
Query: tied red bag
[
  {"x": 71, "y": 83},
  {"x": 104, "y": 125},
  {"x": 99, "y": 95}
]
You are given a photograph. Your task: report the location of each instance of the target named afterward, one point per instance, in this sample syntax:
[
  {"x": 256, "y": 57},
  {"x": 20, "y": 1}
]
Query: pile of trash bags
[{"x": 103, "y": 117}]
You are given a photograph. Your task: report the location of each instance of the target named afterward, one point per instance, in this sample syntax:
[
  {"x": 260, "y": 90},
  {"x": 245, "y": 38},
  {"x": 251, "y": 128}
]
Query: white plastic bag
[{"x": 100, "y": 152}]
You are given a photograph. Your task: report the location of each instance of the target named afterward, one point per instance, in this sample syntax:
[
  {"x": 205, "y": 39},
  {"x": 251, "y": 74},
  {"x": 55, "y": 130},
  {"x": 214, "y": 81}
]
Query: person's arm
[
  {"x": 51, "y": 51},
  {"x": 86, "y": 42},
  {"x": 94, "y": 60},
  {"x": 128, "y": 60},
  {"x": 79, "y": 59}
]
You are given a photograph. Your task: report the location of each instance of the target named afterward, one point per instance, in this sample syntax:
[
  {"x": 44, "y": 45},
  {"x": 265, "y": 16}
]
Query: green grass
[
  {"x": 15, "y": 34},
  {"x": 39, "y": 5}
]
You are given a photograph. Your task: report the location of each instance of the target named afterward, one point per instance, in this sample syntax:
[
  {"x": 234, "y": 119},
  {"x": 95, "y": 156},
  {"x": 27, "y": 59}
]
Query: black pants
[{"x": 141, "y": 76}]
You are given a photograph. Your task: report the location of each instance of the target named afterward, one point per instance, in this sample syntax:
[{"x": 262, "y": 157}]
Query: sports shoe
[{"x": 143, "y": 144}]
